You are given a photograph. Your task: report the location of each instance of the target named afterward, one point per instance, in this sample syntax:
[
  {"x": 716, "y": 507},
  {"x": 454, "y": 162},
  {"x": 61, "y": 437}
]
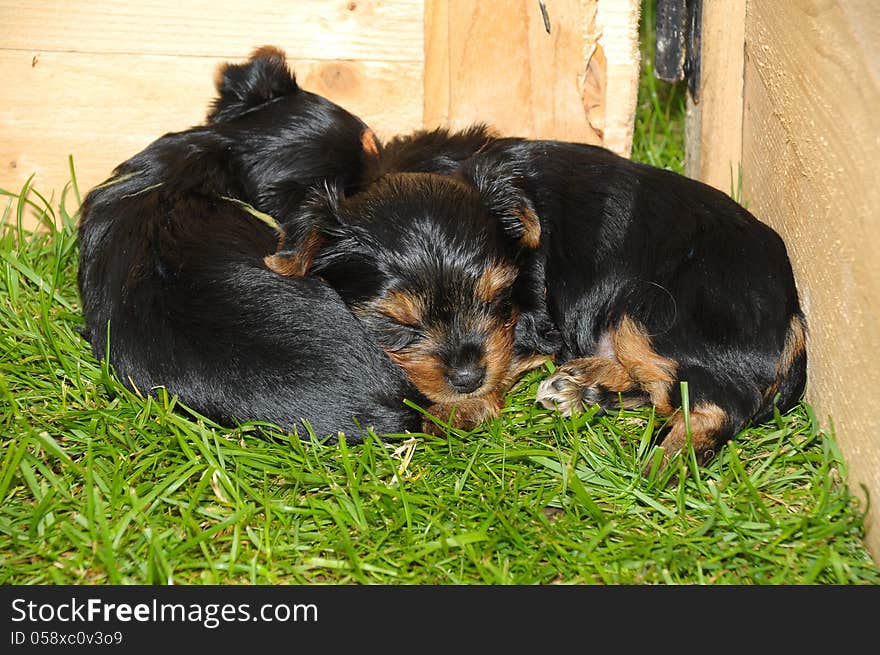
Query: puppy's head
[
  {"x": 285, "y": 138},
  {"x": 427, "y": 262}
]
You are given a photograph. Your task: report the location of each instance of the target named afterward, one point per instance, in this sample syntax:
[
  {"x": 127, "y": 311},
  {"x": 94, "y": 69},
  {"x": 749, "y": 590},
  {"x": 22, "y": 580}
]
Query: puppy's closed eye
[{"x": 397, "y": 337}]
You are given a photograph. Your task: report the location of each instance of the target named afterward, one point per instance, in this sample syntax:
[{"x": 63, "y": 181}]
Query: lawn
[{"x": 101, "y": 486}]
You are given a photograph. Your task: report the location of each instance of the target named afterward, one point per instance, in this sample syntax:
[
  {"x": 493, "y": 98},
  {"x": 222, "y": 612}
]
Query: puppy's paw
[
  {"x": 582, "y": 383},
  {"x": 562, "y": 392}
]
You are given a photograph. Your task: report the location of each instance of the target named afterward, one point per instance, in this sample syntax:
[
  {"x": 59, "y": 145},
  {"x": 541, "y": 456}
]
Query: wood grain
[
  {"x": 810, "y": 138},
  {"x": 374, "y": 30},
  {"x": 435, "y": 101},
  {"x": 103, "y": 109},
  {"x": 497, "y": 63},
  {"x": 500, "y": 66},
  {"x": 617, "y": 22}
]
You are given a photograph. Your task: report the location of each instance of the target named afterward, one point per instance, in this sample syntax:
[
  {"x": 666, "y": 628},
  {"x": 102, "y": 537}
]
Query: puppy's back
[{"x": 178, "y": 284}]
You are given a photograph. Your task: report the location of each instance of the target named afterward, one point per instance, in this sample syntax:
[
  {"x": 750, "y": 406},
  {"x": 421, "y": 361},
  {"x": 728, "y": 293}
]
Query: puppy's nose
[{"x": 467, "y": 379}]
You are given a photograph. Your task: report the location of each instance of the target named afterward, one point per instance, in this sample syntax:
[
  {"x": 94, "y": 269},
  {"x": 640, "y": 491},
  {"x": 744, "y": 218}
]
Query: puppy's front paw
[
  {"x": 560, "y": 391},
  {"x": 582, "y": 383}
]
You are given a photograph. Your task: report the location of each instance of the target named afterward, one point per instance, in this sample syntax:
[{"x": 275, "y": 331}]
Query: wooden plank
[
  {"x": 437, "y": 81},
  {"x": 714, "y": 128},
  {"x": 497, "y": 63},
  {"x": 812, "y": 89},
  {"x": 375, "y": 30},
  {"x": 617, "y": 22},
  {"x": 504, "y": 68},
  {"x": 103, "y": 109}
]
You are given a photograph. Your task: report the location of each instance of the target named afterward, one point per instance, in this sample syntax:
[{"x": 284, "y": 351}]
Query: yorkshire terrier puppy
[
  {"x": 172, "y": 277},
  {"x": 654, "y": 279},
  {"x": 636, "y": 278},
  {"x": 428, "y": 263}
]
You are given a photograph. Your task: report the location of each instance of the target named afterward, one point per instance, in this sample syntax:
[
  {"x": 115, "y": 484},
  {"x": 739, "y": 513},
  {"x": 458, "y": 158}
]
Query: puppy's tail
[{"x": 791, "y": 372}]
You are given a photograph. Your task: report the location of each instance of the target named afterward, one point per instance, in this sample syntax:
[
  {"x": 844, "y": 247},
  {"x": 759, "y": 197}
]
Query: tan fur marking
[
  {"x": 598, "y": 371},
  {"x": 297, "y": 263},
  {"x": 707, "y": 420},
  {"x": 268, "y": 51},
  {"x": 369, "y": 143},
  {"x": 531, "y": 237},
  {"x": 495, "y": 278},
  {"x": 425, "y": 371},
  {"x": 428, "y": 372},
  {"x": 286, "y": 266},
  {"x": 612, "y": 375},
  {"x": 464, "y": 414},
  {"x": 498, "y": 353},
  {"x": 403, "y": 307},
  {"x": 794, "y": 347},
  {"x": 521, "y": 365},
  {"x": 655, "y": 374}
]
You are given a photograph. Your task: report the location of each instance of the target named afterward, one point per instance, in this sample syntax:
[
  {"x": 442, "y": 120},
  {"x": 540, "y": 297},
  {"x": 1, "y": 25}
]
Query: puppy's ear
[
  {"x": 304, "y": 233},
  {"x": 500, "y": 186},
  {"x": 242, "y": 87}
]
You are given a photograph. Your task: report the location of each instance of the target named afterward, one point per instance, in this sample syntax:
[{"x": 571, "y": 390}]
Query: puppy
[
  {"x": 654, "y": 279},
  {"x": 172, "y": 277},
  {"x": 428, "y": 263},
  {"x": 642, "y": 279},
  {"x": 536, "y": 338}
]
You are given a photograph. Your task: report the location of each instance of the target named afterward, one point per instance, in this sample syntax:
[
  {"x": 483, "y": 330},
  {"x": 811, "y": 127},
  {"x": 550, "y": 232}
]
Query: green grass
[{"x": 99, "y": 486}]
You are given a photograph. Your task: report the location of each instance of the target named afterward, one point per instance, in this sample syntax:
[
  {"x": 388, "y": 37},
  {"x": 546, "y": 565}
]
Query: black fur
[
  {"x": 173, "y": 261},
  {"x": 434, "y": 151}
]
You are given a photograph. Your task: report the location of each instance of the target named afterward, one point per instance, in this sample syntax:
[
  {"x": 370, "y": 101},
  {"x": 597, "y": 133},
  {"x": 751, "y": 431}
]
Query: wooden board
[
  {"x": 435, "y": 99},
  {"x": 100, "y": 80},
  {"x": 497, "y": 63},
  {"x": 714, "y": 125},
  {"x": 617, "y": 22},
  {"x": 374, "y": 30},
  {"x": 811, "y": 124}
]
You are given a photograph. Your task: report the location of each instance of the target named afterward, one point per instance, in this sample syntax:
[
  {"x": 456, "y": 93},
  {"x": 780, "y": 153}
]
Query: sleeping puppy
[
  {"x": 652, "y": 280},
  {"x": 445, "y": 152},
  {"x": 637, "y": 279},
  {"x": 428, "y": 263},
  {"x": 172, "y": 277}
]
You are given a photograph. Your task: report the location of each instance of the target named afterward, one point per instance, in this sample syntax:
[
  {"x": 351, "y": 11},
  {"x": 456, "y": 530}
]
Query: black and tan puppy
[
  {"x": 654, "y": 279},
  {"x": 172, "y": 271},
  {"x": 642, "y": 279},
  {"x": 428, "y": 263}
]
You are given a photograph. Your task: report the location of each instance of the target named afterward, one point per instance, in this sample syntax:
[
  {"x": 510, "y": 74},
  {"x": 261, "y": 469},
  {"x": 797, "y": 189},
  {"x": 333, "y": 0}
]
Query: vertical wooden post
[
  {"x": 714, "y": 125},
  {"x": 618, "y": 24},
  {"x": 810, "y": 136}
]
